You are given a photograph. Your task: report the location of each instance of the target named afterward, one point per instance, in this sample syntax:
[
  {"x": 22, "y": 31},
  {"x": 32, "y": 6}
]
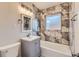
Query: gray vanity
[{"x": 30, "y": 46}]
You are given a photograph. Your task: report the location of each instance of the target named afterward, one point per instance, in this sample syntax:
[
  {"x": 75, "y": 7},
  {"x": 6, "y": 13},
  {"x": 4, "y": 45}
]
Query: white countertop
[{"x": 31, "y": 38}]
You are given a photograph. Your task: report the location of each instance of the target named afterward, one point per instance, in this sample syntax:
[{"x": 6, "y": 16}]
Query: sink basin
[{"x": 30, "y": 38}]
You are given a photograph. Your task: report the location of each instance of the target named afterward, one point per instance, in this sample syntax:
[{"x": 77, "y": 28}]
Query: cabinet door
[{"x": 37, "y": 47}]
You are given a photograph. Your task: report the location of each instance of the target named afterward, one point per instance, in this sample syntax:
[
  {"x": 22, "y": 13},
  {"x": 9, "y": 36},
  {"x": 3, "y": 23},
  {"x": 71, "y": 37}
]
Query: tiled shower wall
[{"x": 64, "y": 10}]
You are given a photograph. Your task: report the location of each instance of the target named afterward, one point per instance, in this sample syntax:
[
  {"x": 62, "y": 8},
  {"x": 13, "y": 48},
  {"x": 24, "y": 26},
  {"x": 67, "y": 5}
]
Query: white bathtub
[{"x": 49, "y": 49}]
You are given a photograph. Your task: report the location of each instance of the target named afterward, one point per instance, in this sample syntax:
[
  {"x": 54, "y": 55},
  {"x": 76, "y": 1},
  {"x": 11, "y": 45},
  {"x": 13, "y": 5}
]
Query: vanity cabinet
[{"x": 30, "y": 46}]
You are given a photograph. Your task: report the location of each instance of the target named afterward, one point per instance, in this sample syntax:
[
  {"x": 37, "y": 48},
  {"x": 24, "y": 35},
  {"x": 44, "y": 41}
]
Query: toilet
[{"x": 12, "y": 50}]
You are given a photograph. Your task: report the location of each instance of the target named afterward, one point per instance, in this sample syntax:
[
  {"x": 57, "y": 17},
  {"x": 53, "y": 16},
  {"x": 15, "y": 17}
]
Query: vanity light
[{"x": 19, "y": 21}]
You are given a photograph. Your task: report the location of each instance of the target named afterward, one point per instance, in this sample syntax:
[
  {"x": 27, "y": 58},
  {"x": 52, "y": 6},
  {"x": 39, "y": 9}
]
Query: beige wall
[
  {"x": 77, "y": 29},
  {"x": 75, "y": 42},
  {"x": 9, "y": 28}
]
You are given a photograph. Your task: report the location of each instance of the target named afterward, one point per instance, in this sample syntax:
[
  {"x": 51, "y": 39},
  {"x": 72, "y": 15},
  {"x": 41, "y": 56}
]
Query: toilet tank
[{"x": 11, "y": 50}]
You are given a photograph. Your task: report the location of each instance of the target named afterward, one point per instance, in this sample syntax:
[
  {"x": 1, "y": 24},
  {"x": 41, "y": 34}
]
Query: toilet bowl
[{"x": 11, "y": 50}]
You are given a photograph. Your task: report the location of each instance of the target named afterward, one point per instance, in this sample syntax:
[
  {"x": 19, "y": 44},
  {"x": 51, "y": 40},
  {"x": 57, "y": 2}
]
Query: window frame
[{"x": 54, "y": 15}]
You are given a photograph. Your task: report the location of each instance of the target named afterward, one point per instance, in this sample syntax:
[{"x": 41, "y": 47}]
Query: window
[{"x": 53, "y": 22}]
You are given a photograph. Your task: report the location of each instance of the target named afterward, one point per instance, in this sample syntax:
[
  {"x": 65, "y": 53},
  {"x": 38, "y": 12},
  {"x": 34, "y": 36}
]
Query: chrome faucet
[{"x": 28, "y": 34}]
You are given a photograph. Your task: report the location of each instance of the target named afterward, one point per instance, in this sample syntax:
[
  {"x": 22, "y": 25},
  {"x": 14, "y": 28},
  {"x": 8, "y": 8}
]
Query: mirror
[{"x": 26, "y": 23}]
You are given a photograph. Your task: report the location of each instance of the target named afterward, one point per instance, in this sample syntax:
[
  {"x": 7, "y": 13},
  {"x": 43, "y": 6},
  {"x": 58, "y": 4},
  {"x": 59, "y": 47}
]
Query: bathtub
[{"x": 49, "y": 49}]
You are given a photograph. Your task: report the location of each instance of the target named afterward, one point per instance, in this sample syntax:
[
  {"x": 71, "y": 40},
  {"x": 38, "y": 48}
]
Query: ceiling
[{"x": 42, "y": 5}]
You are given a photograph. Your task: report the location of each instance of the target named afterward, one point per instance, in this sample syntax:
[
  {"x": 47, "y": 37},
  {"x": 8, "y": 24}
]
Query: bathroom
[{"x": 52, "y": 26}]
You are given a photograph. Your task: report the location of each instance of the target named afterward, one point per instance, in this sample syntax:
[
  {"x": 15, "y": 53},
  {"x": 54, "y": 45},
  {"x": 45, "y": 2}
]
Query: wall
[
  {"x": 75, "y": 41},
  {"x": 62, "y": 9},
  {"x": 10, "y": 30}
]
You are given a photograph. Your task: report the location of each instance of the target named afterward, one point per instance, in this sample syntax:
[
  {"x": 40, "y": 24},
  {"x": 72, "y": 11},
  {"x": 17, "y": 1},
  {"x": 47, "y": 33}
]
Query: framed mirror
[{"x": 26, "y": 23}]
